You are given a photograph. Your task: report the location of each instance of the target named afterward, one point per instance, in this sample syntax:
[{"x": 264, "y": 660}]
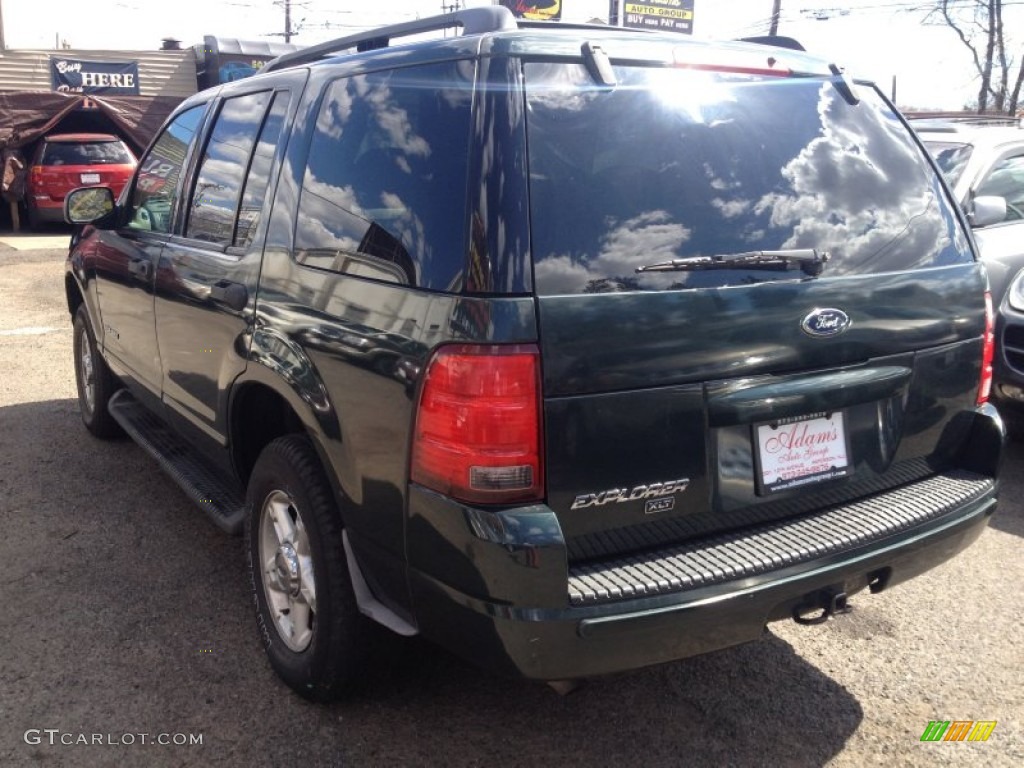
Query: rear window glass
[
  {"x": 951, "y": 158},
  {"x": 673, "y": 163},
  {"x": 86, "y": 153}
]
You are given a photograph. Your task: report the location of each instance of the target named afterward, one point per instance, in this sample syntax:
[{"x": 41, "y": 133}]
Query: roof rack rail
[{"x": 474, "y": 21}]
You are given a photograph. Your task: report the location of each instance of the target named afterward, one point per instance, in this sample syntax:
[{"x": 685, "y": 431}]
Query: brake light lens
[
  {"x": 478, "y": 426},
  {"x": 988, "y": 352},
  {"x": 731, "y": 62}
]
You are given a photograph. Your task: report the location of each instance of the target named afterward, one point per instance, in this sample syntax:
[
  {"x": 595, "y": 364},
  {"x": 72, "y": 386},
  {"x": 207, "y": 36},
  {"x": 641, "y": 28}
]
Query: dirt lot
[{"x": 125, "y": 612}]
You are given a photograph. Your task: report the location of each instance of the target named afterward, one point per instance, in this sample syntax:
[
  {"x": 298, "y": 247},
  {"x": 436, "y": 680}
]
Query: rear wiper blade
[{"x": 810, "y": 261}]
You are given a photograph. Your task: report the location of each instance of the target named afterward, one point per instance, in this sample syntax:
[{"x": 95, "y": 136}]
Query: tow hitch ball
[{"x": 817, "y": 607}]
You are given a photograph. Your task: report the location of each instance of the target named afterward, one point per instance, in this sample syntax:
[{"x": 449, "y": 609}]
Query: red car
[{"x": 65, "y": 161}]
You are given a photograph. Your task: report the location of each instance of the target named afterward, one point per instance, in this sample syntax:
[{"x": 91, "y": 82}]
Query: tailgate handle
[{"x": 781, "y": 398}]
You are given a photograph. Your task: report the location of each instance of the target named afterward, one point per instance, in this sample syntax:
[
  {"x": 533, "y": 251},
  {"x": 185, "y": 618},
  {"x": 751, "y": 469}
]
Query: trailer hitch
[{"x": 819, "y": 606}]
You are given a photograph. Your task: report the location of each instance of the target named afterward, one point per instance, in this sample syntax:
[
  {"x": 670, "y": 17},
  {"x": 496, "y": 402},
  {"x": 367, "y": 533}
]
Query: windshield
[
  {"x": 674, "y": 163},
  {"x": 951, "y": 158}
]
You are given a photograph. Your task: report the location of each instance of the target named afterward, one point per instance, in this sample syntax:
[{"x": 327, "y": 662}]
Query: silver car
[{"x": 983, "y": 162}]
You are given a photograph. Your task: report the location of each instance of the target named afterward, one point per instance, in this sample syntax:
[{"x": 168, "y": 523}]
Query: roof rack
[{"x": 474, "y": 21}]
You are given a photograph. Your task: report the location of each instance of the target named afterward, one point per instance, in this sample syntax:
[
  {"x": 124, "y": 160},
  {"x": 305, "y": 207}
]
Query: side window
[
  {"x": 222, "y": 170},
  {"x": 384, "y": 193},
  {"x": 156, "y": 188},
  {"x": 256, "y": 182},
  {"x": 1006, "y": 180}
]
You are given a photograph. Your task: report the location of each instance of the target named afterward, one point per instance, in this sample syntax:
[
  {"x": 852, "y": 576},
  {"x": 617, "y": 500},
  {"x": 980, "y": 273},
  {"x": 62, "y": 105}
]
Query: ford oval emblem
[{"x": 825, "y": 322}]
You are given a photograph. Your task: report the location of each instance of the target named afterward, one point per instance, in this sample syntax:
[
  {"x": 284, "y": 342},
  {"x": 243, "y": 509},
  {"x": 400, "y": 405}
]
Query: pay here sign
[{"x": 665, "y": 15}]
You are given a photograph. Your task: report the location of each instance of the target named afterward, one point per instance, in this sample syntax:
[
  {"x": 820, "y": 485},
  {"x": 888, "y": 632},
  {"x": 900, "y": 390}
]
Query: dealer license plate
[
  {"x": 90, "y": 178},
  {"x": 791, "y": 453}
]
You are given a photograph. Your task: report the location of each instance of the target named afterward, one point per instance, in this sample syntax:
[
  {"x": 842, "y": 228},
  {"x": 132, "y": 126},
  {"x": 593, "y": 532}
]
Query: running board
[{"x": 223, "y": 501}]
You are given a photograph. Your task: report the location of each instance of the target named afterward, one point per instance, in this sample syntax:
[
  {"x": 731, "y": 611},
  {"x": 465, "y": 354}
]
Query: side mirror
[
  {"x": 987, "y": 209},
  {"x": 87, "y": 205}
]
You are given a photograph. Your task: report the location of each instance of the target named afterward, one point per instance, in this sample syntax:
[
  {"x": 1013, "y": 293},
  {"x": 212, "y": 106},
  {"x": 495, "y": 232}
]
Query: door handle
[
  {"x": 232, "y": 294},
  {"x": 139, "y": 268}
]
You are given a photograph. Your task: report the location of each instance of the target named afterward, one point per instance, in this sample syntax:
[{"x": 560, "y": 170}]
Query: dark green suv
[{"x": 573, "y": 349}]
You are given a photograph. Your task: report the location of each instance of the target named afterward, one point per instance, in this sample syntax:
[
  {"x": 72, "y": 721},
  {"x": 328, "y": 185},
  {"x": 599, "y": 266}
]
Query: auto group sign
[
  {"x": 98, "y": 78},
  {"x": 665, "y": 15}
]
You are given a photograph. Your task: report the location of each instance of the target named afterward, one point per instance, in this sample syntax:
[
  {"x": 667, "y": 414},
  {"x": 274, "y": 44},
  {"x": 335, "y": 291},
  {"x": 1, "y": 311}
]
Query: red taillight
[
  {"x": 478, "y": 427},
  {"x": 731, "y": 62},
  {"x": 988, "y": 352}
]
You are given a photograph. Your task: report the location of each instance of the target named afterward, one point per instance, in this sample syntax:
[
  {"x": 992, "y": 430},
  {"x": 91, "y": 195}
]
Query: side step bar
[{"x": 224, "y": 502}]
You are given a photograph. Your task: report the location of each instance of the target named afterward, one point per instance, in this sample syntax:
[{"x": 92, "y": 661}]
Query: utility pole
[
  {"x": 3, "y": 47},
  {"x": 450, "y": 7},
  {"x": 288, "y": 31},
  {"x": 776, "y": 10}
]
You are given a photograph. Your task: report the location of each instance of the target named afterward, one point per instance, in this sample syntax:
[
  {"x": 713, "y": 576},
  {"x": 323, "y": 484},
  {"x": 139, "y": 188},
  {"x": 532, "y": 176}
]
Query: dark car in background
[
  {"x": 983, "y": 160},
  {"x": 65, "y": 161}
]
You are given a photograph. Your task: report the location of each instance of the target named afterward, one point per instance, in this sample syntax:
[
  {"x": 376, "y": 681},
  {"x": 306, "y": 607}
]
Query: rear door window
[
  {"x": 256, "y": 182},
  {"x": 222, "y": 170},
  {"x": 674, "y": 163},
  {"x": 384, "y": 193}
]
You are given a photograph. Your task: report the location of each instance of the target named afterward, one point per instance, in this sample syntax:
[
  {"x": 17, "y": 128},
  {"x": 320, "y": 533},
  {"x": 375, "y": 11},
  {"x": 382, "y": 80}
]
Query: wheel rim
[
  {"x": 87, "y": 373},
  {"x": 286, "y": 564}
]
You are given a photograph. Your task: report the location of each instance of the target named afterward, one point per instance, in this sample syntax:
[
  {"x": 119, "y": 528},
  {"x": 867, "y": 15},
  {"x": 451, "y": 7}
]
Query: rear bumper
[
  {"x": 505, "y": 597},
  {"x": 572, "y": 643},
  {"x": 48, "y": 210}
]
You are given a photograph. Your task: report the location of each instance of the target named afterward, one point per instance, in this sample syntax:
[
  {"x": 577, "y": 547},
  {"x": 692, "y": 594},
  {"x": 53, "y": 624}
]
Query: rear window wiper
[{"x": 810, "y": 261}]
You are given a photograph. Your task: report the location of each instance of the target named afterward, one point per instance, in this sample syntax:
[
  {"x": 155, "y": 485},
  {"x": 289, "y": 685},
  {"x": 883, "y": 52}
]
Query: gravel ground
[{"x": 125, "y": 612}]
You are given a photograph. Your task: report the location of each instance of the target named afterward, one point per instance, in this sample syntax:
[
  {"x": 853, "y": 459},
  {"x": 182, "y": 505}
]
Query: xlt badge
[{"x": 656, "y": 491}]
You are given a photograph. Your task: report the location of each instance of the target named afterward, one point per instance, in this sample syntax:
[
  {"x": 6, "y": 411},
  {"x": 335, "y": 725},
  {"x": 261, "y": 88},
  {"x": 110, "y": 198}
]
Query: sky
[{"x": 876, "y": 39}]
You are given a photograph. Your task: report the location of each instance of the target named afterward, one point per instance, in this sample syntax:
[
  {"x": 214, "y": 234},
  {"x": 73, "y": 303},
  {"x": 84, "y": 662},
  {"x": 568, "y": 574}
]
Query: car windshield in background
[
  {"x": 672, "y": 164},
  {"x": 951, "y": 157},
  {"x": 87, "y": 153}
]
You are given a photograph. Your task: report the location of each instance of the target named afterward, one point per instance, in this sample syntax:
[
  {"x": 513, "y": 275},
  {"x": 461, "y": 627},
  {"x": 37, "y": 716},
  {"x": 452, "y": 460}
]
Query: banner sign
[
  {"x": 536, "y": 10},
  {"x": 664, "y": 15},
  {"x": 99, "y": 78}
]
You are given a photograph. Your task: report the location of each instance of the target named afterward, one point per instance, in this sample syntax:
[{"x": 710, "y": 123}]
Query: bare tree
[{"x": 979, "y": 25}]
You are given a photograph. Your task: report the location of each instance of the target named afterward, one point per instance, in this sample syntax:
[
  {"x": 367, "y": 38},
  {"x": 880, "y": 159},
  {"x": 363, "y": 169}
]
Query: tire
[
  {"x": 316, "y": 639},
  {"x": 96, "y": 384}
]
